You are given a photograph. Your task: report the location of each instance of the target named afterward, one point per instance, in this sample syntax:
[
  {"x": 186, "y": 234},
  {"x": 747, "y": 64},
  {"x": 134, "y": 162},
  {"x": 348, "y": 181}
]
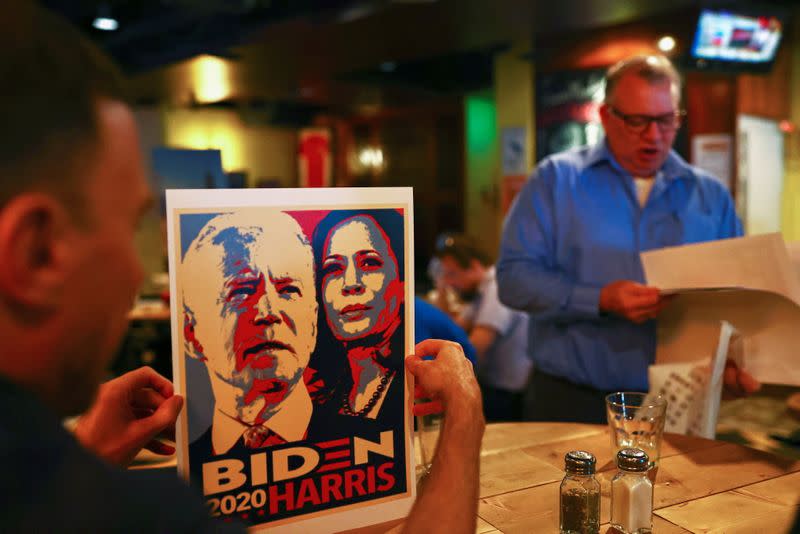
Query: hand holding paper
[
  {"x": 633, "y": 301},
  {"x": 749, "y": 282}
]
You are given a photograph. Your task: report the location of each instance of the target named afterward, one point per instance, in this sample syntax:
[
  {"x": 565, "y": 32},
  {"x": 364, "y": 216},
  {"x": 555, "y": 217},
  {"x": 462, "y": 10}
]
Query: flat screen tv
[{"x": 736, "y": 41}]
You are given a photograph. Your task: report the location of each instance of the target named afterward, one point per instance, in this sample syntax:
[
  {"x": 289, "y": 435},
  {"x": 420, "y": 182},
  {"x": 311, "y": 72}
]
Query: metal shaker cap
[
  {"x": 633, "y": 460},
  {"x": 579, "y": 463}
]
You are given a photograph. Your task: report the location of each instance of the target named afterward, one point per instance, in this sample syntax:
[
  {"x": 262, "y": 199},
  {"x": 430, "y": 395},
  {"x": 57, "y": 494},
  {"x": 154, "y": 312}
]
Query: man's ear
[
  {"x": 191, "y": 345},
  {"x": 604, "y": 112},
  {"x": 34, "y": 250}
]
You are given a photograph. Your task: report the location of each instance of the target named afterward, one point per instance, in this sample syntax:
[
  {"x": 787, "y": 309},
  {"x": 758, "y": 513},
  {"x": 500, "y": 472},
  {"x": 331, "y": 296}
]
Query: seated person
[{"x": 72, "y": 190}]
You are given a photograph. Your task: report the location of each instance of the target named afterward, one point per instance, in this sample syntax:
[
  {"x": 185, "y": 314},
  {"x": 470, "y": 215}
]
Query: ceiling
[{"x": 336, "y": 52}]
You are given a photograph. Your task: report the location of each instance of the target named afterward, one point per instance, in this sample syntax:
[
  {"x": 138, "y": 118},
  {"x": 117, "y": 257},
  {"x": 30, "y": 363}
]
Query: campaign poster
[{"x": 291, "y": 316}]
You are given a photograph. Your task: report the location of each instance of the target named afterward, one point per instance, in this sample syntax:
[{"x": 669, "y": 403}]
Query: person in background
[
  {"x": 569, "y": 253},
  {"x": 432, "y": 323},
  {"x": 499, "y": 334},
  {"x": 72, "y": 188}
]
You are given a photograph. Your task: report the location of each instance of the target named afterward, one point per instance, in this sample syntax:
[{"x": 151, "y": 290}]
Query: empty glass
[{"x": 636, "y": 420}]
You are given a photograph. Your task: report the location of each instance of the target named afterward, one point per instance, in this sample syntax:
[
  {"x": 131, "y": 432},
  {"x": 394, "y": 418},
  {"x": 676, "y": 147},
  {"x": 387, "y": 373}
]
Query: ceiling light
[
  {"x": 666, "y": 43},
  {"x": 104, "y": 21},
  {"x": 211, "y": 79},
  {"x": 106, "y": 24}
]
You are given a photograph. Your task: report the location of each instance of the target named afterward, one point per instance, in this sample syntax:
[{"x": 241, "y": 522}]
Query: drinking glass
[{"x": 636, "y": 420}]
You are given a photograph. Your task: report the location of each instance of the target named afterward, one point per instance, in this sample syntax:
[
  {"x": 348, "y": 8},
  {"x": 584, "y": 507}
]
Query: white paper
[
  {"x": 693, "y": 390},
  {"x": 749, "y": 282}
]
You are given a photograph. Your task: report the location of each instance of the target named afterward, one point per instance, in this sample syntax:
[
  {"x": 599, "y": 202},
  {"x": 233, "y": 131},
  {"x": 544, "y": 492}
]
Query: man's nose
[
  {"x": 651, "y": 131},
  {"x": 265, "y": 314}
]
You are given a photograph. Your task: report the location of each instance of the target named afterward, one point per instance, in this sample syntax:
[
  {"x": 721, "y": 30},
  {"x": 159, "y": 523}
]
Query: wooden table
[{"x": 701, "y": 485}]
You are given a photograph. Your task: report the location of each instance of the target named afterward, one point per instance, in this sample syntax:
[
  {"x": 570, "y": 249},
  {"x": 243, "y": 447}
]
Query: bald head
[{"x": 655, "y": 69}]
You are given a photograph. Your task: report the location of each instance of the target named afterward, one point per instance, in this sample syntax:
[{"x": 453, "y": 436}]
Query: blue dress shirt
[{"x": 576, "y": 226}]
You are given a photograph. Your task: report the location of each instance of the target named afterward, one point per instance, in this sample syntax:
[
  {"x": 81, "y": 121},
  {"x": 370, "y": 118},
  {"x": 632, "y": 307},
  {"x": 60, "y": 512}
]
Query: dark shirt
[{"x": 49, "y": 482}]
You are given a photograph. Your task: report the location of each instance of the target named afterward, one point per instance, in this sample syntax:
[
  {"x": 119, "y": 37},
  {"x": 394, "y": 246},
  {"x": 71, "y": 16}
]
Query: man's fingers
[
  {"x": 747, "y": 383},
  {"x": 162, "y": 419},
  {"x": 428, "y": 408},
  {"x": 731, "y": 380},
  {"x": 147, "y": 377},
  {"x": 430, "y": 347},
  {"x": 146, "y": 399},
  {"x": 159, "y": 447},
  {"x": 413, "y": 363},
  {"x": 419, "y": 392}
]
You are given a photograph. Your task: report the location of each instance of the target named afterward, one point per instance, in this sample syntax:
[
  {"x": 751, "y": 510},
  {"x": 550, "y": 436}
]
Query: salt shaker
[
  {"x": 580, "y": 495},
  {"x": 632, "y": 493}
]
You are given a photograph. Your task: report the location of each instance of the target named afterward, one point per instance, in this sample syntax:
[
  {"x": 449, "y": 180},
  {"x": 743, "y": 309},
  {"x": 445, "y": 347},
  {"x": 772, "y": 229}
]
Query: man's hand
[
  {"x": 635, "y": 302},
  {"x": 444, "y": 375},
  {"x": 449, "y": 500},
  {"x": 738, "y": 382},
  {"x": 128, "y": 414}
]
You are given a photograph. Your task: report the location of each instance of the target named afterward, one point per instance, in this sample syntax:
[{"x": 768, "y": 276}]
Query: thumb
[{"x": 412, "y": 363}]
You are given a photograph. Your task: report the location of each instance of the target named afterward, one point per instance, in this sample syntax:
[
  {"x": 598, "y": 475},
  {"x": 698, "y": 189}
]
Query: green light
[{"x": 481, "y": 123}]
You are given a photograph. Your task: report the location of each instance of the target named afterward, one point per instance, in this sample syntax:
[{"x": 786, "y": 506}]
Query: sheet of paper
[
  {"x": 749, "y": 282},
  {"x": 753, "y": 262}
]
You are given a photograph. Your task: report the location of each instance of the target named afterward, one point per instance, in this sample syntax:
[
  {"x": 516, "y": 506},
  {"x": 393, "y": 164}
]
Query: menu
[{"x": 750, "y": 282}]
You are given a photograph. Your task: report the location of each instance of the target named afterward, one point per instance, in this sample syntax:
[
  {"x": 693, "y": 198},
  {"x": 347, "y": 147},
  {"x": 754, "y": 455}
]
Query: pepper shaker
[{"x": 580, "y": 495}]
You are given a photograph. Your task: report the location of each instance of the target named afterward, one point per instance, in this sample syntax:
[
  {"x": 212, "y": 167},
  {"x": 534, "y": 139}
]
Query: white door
[{"x": 759, "y": 174}]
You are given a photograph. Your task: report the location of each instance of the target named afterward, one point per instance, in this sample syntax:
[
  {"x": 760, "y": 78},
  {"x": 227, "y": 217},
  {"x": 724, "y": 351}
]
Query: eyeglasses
[{"x": 666, "y": 123}]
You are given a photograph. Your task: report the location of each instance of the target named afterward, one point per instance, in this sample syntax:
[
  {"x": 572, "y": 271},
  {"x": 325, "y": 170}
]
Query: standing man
[
  {"x": 570, "y": 248},
  {"x": 498, "y": 333}
]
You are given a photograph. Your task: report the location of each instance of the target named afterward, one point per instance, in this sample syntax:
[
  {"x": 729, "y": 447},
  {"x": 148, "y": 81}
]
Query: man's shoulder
[
  {"x": 574, "y": 159},
  {"x": 58, "y": 482},
  {"x": 678, "y": 166},
  {"x": 707, "y": 182}
]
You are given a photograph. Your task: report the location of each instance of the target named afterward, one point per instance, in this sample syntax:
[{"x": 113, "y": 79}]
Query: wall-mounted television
[{"x": 736, "y": 41}]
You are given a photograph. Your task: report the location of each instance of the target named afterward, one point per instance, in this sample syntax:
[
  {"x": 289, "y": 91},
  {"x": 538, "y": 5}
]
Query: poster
[
  {"x": 290, "y": 328},
  {"x": 515, "y": 159},
  {"x": 714, "y": 154}
]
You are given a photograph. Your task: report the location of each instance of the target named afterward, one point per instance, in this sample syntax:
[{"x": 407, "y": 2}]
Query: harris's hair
[
  {"x": 653, "y": 68},
  {"x": 53, "y": 78},
  {"x": 389, "y": 220}
]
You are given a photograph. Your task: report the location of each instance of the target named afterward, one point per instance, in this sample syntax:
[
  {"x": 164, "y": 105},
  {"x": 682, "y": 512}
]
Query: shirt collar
[
  {"x": 290, "y": 422},
  {"x": 673, "y": 167},
  {"x": 488, "y": 276}
]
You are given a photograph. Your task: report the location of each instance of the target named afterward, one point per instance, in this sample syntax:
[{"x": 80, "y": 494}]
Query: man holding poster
[{"x": 61, "y": 317}]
